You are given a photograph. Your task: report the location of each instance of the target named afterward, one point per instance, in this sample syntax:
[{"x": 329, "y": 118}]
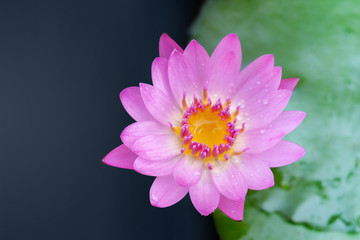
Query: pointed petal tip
[
  {"x": 302, "y": 152},
  {"x": 232, "y": 36},
  {"x": 175, "y": 52},
  {"x": 164, "y": 35},
  {"x": 303, "y": 114},
  {"x": 269, "y": 57},
  {"x": 289, "y": 83},
  {"x": 278, "y": 69},
  {"x": 167, "y": 45},
  {"x": 203, "y": 213},
  {"x": 121, "y": 157}
]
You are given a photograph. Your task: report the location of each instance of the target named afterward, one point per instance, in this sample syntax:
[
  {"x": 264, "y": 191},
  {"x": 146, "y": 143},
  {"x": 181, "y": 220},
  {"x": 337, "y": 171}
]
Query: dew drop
[
  {"x": 266, "y": 85},
  {"x": 265, "y": 101},
  {"x": 232, "y": 176},
  {"x": 246, "y": 114},
  {"x": 259, "y": 100},
  {"x": 258, "y": 82},
  {"x": 196, "y": 174},
  {"x": 232, "y": 211},
  {"x": 154, "y": 198},
  {"x": 262, "y": 131}
]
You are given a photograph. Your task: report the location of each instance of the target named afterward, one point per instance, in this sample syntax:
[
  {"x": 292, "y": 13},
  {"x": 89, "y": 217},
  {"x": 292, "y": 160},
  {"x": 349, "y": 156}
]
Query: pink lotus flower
[{"x": 206, "y": 128}]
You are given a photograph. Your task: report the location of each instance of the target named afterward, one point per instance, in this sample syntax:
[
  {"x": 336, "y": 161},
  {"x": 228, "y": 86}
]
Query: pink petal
[
  {"x": 167, "y": 46},
  {"x": 223, "y": 77},
  {"x": 183, "y": 78},
  {"x": 187, "y": 171},
  {"x": 289, "y": 83},
  {"x": 158, "y": 147},
  {"x": 199, "y": 62},
  {"x": 282, "y": 154},
  {"x": 133, "y": 103},
  {"x": 257, "y": 174},
  {"x": 233, "y": 209},
  {"x": 257, "y": 115},
  {"x": 227, "y": 44},
  {"x": 120, "y": 157},
  {"x": 287, "y": 121},
  {"x": 229, "y": 180},
  {"x": 258, "y": 140},
  {"x": 164, "y": 192},
  {"x": 252, "y": 72},
  {"x": 137, "y": 130},
  {"x": 160, "y": 105},
  {"x": 204, "y": 195},
  {"x": 159, "y": 75},
  {"x": 260, "y": 89},
  {"x": 155, "y": 168}
]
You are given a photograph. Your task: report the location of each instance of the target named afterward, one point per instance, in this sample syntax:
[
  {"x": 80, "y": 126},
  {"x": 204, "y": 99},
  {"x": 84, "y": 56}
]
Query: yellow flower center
[
  {"x": 208, "y": 130},
  {"x": 207, "y": 127}
]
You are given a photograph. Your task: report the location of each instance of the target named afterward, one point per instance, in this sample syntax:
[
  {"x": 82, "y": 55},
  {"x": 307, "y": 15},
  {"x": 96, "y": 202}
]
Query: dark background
[{"x": 62, "y": 66}]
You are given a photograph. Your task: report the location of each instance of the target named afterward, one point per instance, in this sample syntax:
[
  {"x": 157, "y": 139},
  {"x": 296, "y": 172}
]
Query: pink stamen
[
  {"x": 183, "y": 150},
  {"x": 205, "y": 93},
  {"x": 184, "y": 104}
]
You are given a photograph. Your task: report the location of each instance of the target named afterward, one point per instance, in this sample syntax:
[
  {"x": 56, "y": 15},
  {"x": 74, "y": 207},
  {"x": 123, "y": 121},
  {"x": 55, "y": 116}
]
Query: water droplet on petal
[
  {"x": 266, "y": 85},
  {"x": 232, "y": 176},
  {"x": 259, "y": 100},
  {"x": 265, "y": 101},
  {"x": 196, "y": 174},
  {"x": 233, "y": 211},
  {"x": 258, "y": 82},
  {"x": 262, "y": 131},
  {"x": 154, "y": 198}
]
